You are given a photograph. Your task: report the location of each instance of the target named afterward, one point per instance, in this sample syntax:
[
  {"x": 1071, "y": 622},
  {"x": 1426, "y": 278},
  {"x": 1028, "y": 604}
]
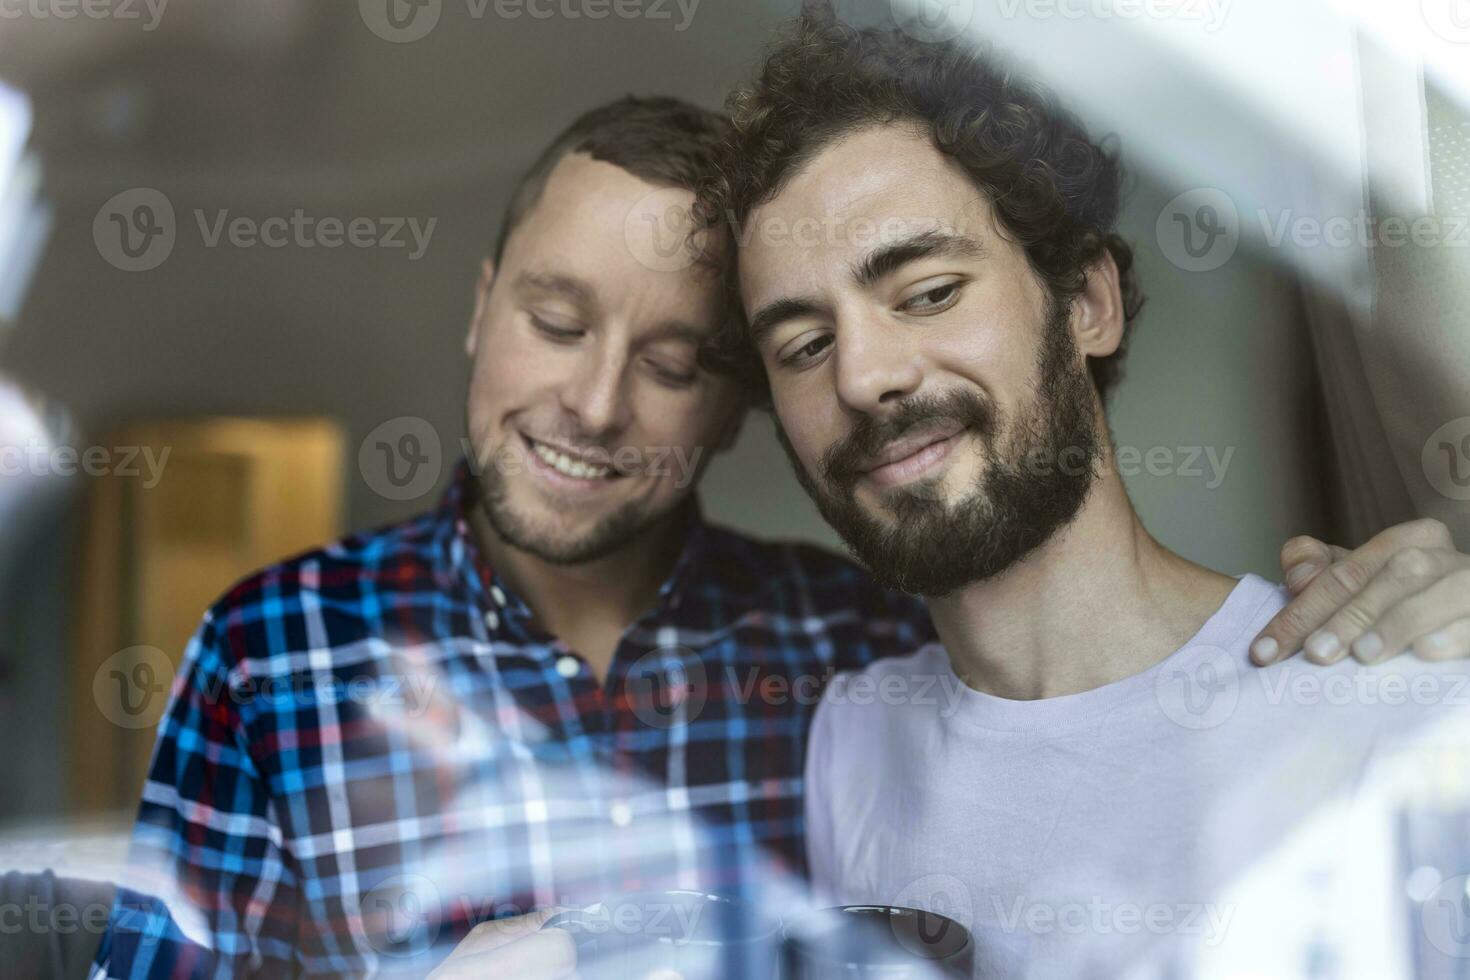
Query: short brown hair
[
  {"x": 1054, "y": 190},
  {"x": 658, "y": 139}
]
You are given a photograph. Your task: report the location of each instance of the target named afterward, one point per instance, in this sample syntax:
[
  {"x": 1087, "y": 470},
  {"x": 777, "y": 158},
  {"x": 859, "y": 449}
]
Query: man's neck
[
  {"x": 1101, "y": 600},
  {"x": 589, "y": 605}
]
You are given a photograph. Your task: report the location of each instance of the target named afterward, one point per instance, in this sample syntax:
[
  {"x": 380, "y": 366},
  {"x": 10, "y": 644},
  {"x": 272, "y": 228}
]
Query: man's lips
[
  {"x": 908, "y": 457},
  {"x": 593, "y": 456},
  {"x": 595, "y": 465}
]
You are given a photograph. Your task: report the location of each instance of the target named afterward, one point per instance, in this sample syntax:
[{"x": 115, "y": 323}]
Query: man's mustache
[{"x": 848, "y": 458}]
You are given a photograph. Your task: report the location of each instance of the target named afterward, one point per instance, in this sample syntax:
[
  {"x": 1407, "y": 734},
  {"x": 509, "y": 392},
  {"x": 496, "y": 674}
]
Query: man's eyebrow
[
  {"x": 893, "y": 256},
  {"x": 874, "y": 266},
  {"x": 565, "y": 286},
  {"x": 772, "y": 315},
  {"x": 677, "y": 330}
]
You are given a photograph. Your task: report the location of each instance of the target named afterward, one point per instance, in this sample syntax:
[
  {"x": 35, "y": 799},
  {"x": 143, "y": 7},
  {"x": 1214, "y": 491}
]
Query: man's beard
[
  {"x": 611, "y": 533},
  {"x": 1024, "y": 494}
]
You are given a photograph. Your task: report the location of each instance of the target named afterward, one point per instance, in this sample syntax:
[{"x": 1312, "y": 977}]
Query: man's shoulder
[
  {"x": 356, "y": 574},
  {"x": 890, "y": 681}
]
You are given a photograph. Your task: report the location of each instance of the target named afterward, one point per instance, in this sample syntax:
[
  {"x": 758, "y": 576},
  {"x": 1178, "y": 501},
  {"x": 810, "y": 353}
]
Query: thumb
[{"x": 1303, "y": 558}]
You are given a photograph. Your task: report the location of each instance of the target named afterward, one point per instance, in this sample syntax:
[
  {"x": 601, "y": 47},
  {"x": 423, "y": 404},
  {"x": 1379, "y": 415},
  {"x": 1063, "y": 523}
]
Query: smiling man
[
  {"x": 939, "y": 371},
  {"x": 594, "y": 653},
  {"x": 599, "y": 660}
]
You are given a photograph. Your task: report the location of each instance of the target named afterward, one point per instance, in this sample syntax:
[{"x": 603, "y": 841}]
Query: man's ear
[
  {"x": 1097, "y": 313},
  {"x": 482, "y": 303}
]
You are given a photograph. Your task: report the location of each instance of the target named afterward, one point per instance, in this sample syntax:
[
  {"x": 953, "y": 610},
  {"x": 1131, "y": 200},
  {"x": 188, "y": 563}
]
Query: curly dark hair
[{"x": 1054, "y": 191}]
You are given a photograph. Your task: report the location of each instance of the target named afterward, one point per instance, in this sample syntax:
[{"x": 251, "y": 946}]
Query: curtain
[{"x": 1390, "y": 316}]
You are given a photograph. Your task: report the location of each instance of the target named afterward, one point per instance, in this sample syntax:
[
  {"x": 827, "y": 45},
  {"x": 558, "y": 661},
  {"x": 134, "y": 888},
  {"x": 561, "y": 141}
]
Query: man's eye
[
  {"x": 808, "y": 350},
  {"x": 554, "y": 331},
  {"x": 672, "y": 377},
  {"x": 935, "y": 300}
]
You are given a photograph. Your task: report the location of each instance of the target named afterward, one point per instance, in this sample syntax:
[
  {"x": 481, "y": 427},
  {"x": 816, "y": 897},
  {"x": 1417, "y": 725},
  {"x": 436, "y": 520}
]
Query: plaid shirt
[{"x": 372, "y": 747}]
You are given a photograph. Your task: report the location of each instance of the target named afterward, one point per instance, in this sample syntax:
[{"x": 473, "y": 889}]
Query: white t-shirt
[{"x": 1204, "y": 818}]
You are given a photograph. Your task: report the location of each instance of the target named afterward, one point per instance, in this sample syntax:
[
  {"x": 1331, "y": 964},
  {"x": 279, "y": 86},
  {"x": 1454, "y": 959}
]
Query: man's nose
[
  {"x": 876, "y": 364},
  {"x": 597, "y": 395}
]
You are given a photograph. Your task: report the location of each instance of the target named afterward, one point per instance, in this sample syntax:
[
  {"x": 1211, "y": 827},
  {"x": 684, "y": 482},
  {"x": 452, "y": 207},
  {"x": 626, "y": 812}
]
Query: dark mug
[
  {"x": 879, "y": 941},
  {"x": 696, "y": 935}
]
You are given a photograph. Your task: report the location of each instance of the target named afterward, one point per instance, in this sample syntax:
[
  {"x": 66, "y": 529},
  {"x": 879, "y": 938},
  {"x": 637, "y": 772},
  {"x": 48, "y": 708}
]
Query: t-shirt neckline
[{"x": 1222, "y": 631}]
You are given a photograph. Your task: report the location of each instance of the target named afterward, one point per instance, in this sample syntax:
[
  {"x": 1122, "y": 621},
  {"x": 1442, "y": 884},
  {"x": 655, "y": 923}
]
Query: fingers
[
  {"x": 1303, "y": 558},
  {"x": 493, "y": 934},
  {"x": 1323, "y": 578},
  {"x": 550, "y": 954},
  {"x": 1410, "y": 585},
  {"x": 1427, "y": 534},
  {"x": 1436, "y": 600},
  {"x": 1308, "y": 612},
  {"x": 1450, "y": 642}
]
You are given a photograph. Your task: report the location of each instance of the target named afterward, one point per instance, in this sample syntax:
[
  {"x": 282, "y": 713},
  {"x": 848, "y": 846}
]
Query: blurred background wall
[{"x": 271, "y": 108}]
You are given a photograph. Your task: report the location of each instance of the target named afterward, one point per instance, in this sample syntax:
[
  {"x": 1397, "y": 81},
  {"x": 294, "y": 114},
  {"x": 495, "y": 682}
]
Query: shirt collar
[{"x": 462, "y": 560}]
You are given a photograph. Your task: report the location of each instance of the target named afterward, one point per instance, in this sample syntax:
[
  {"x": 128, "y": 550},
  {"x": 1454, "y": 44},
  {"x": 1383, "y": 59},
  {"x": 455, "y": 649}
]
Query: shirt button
[
  {"x": 568, "y": 667},
  {"x": 492, "y": 619},
  {"x": 498, "y": 594},
  {"x": 620, "y": 813}
]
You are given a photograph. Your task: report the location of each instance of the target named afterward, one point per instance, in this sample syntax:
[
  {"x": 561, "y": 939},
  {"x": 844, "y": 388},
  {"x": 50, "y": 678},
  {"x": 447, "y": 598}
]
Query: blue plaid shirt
[{"x": 372, "y": 747}]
